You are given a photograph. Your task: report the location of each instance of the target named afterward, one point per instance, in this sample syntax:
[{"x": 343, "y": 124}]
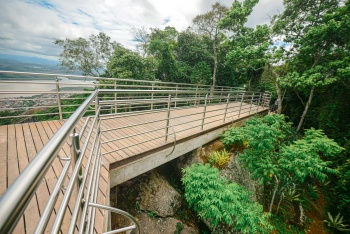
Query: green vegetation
[
  {"x": 336, "y": 223},
  {"x": 219, "y": 158},
  {"x": 217, "y": 200},
  {"x": 282, "y": 163}
]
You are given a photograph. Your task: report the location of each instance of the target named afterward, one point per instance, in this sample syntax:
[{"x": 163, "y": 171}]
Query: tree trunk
[
  {"x": 311, "y": 95},
  {"x": 278, "y": 89},
  {"x": 215, "y": 66},
  {"x": 274, "y": 193}
]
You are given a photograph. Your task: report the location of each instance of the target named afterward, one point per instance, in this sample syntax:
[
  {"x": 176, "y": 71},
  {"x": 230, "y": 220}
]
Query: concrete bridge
[{"x": 55, "y": 176}]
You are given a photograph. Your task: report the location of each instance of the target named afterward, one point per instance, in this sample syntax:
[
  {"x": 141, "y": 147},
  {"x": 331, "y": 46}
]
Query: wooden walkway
[{"x": 133, "y": 135}]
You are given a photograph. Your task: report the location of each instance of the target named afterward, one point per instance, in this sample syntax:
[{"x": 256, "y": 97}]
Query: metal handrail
[
  {"x": 18, "y": 195},
  {"x": 14, "y": 201},
  {"x": 25, "y": 106}
]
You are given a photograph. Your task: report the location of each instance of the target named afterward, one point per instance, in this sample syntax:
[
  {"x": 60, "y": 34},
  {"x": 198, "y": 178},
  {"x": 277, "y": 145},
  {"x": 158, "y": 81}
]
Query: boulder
[
  {"x": 234, "y": 171},
  {"x": 151, "y": 225},
  {"x": 158, "y": 196}
]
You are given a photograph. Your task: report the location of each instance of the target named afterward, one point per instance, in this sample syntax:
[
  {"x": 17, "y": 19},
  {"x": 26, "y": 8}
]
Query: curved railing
[{"x": 85, "y": 149}]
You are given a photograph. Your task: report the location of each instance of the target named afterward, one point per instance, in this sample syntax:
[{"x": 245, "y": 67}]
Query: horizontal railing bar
[
  {"x": 128, "y": 136},
  {"x": 102, "y": 78},
  {"x": 132, "y": 125},
  {"x": 112, "y": 151}
]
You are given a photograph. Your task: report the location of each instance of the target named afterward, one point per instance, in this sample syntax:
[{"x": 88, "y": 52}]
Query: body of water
[{"x": 35, "y": 85}]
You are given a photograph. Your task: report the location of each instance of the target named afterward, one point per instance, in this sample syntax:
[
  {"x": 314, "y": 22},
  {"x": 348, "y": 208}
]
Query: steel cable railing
[{"x": 85, "y": 162}]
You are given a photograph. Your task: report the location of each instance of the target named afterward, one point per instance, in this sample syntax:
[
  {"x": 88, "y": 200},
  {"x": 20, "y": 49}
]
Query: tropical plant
[
  {"x": 336, "y": 223},
  {"x": 218, "y": 201},
  {"x": 277, "y": 159},
  {"x": 219, "y": 158}
]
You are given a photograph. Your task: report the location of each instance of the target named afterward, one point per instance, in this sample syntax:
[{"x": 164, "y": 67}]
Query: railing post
[
  {"x": 75, "y": 153},
  {"x": 59, "y": 98},
  {"x": 177, "y": 88},
  {"x": 257, "y": 109},
  {"x": 195, "y": 100},
  {"x": 227, "y": 102},
  {"x": 222, "y": 89},
  {"x": 152, "y": 94},
  {"x": 251, "y": 102},
  {"x": 97, "y": 104},
  {"x": 240, "y": 107},
  {"x": 168, "y": 119},
  {"x": 115, "y": 97},
  {"x": 205, "y": 110}
]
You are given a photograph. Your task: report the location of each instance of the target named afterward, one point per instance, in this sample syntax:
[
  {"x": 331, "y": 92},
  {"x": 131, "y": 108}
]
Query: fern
[{"x": 219, "y": 158}]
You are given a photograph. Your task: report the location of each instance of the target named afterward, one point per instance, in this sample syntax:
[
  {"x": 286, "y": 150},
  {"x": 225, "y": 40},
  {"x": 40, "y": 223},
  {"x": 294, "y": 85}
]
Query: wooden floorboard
[{"x": 134, "y": 135}]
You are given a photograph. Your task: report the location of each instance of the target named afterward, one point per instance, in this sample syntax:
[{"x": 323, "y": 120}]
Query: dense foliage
[
  {"x": 282, "y": 162},
  {"x": 217, "y": 200}
]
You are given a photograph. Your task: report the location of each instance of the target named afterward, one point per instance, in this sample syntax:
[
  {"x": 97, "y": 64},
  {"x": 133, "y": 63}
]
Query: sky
[{"x": 29, "y": 27}]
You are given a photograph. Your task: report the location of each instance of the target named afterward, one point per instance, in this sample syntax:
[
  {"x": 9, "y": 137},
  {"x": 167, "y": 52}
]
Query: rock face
[
  {"x": 151, "y": 225},
  {"x": 158, "y": 196},
  {"x": 235, "y": 172}
]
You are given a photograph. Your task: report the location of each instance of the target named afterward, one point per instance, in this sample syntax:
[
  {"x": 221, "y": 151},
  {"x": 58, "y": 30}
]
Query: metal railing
[
  {"x": 25, "y": 95},
  {"x": 85, "y": 157}
]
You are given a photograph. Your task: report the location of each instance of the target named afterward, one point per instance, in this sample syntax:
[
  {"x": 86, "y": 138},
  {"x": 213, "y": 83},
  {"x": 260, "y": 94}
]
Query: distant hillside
[
  {"x": 26, "y": 59},
  {"x": 30, "y": 64}
]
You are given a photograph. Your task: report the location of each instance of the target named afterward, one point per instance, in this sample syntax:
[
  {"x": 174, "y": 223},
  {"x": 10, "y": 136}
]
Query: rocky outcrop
[
  {"x": 158, "y": 196},
  {"x": 234, "y": 171},
  {"x": 152, "y": 225}
]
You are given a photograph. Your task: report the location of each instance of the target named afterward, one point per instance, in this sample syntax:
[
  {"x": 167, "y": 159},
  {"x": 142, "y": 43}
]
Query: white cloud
[{"x": 28, "y": 27}]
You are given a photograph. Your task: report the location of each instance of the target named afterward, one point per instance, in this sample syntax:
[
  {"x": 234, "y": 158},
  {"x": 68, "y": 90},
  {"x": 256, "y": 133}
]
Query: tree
[
  {"x": 208, "y": 24},
  {"x": 318, "y": 45},
  {"x": 142, "y": 39},
  {"x": 281, "y": 162},
  {"x": 128, "y": 64},
  {"x": 87, "y": 55},
  {"x": 161, "y": 47}
]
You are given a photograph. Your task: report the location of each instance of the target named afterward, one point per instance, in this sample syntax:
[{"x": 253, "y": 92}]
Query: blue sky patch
[
  {"x": 42, "y": 3},
  {"x": 165, "y": 21}
]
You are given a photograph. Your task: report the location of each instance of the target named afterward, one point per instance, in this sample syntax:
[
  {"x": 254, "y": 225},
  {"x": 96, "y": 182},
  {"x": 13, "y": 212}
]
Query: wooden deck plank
[
  {"x": 13, "y": 169},
  {"x": 31, "y": 212}
]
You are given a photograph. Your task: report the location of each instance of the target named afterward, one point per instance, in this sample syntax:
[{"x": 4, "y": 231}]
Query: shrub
[
  {"x": 218, "y": 201},
  {"x": 219, "y": 158}
]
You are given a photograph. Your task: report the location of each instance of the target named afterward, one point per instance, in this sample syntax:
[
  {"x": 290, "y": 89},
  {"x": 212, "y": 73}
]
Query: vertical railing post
[
  {"x": 257, "y": 109},
  {"x": 240, "y": 107},
  {"x": 195, "y": 100},
  {"x": 75, "y": 153},
  {"x": 227, "y": 102},
  {"x": 97, "y": 104},
  {"x": 59, "y": 98},
  {"x": 251, "y": 102},
  {"x": 115, "y": 97},
  {"x": 205, "y": 110},
  {"x": 222, "y": 89},
  {"x": 152, "y": 94},
  {"x": 177, "y": 88},
  {"x": 168, "y": 119}
]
